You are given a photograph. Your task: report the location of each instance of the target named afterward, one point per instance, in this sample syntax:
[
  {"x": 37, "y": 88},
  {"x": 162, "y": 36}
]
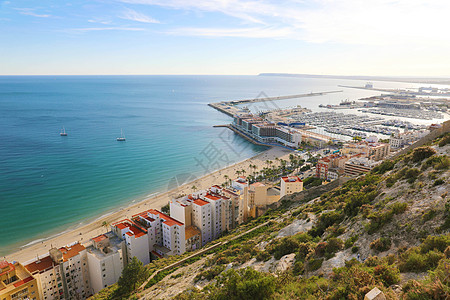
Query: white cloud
[
  {"x": 375, "y": 22},
  {"x": 107, "y": 28},
  {"x": 99, "y": 21},
  {"x": 133, "y": 15},
  {"x": 245, "y": 10},
  {"x": 255, "y": 32},
  {"x": 30, "y": 12}
]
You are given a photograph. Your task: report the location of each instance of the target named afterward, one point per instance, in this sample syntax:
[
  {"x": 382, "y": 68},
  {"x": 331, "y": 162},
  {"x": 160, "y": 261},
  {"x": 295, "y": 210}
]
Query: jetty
[{"x": 230, "y": 107}]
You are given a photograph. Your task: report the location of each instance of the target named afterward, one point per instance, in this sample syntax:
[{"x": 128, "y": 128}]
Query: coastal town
[{"x": 193, "y": 218}]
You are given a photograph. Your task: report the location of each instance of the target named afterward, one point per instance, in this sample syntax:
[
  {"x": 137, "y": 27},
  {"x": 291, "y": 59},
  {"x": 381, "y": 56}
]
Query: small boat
[
  {"x": 122, "y": 137},
  {"x": 63, "y": 132}
]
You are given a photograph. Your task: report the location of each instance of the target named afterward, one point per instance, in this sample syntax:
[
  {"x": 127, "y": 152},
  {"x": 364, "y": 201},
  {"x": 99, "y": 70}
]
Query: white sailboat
[
  {"x": 122, "y": 137},
  {"x": 63, "y": 132}
]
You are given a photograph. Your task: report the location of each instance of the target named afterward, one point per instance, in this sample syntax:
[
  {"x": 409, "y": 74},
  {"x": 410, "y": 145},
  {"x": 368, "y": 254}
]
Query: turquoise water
[{"x": 50, "y": 183}]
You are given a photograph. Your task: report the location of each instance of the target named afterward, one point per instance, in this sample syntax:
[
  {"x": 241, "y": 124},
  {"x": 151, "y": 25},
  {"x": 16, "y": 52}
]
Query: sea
[{"x": 51, "y": 183}]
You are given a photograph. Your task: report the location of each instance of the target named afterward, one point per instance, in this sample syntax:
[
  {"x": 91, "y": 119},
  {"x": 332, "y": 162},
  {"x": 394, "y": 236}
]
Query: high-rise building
[
  {"x": 135, "y": 238},
  {"x": 63, "y": 274},
  {"x": 105, "y": 260}
]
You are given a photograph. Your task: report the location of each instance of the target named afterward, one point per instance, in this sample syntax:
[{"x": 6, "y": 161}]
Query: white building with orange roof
[
  {"x": 216, "y": 212},
  {"x": 202, "y": 219},
  {"x": 63, "y": 274},
  {"x": 105, "y": 260},
  {"x": 290, "y": 185},
  {"x": 136, "y": 240},
  {"x": 167, "y": 233},
  {"x": 239, "y": 183}
]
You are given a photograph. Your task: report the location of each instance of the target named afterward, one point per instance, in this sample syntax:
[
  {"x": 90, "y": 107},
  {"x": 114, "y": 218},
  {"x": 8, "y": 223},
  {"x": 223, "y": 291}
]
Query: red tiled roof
[
  {"x": 100, "y": 238},
  {"x": 287, "y": 179},
  {"x": 121, "y": 226},
  {"x": 40, "y": 265},
  {"x": 10, "y": 269},
  {"x": 69, "y": 252},
  {"x": 212, "y": 197},
  {"x": 167, "y": 219},
  {"x": 190, "y": 232},
  {"x": 258, "y": 184},
  {"x": 200, "y": 202},
  {"x": 3, "y": 264},
  {"x": 19, "y": 283}
]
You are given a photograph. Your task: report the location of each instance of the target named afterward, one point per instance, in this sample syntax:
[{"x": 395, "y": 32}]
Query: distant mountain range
[{"x": 429, "y": 80}]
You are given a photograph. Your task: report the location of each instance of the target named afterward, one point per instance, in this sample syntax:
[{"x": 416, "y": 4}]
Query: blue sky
[{"x": 345, "y": 37}]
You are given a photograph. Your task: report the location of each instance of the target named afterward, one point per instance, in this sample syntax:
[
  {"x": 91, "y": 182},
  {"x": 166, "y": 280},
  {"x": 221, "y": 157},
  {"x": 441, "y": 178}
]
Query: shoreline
[{"x": 85, "y": 232}]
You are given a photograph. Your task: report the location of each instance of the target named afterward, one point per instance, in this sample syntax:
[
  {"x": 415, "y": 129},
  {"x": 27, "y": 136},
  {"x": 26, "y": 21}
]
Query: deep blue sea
[{"x": 50, "y": 183}]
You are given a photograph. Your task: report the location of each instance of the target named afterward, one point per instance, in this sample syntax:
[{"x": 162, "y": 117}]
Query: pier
[{"x": 229, "y": 107}]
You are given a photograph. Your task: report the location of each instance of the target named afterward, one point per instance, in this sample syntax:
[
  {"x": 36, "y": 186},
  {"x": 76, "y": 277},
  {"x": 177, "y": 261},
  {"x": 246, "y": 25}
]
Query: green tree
[{"x": 132, "y": 276}]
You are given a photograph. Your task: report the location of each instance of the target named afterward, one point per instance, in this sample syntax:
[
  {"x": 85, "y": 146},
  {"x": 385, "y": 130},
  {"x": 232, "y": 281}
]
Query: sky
[{"x": 337, "y": 37}]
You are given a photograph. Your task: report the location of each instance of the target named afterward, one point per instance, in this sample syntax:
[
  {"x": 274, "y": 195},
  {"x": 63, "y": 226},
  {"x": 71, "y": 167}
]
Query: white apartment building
[
  {"x": 136, "y": 240},
  {"x": 202, "y": 219},
  {"x": 105, "y": 261},
  {"x": 408, "y": 137},
  {"x": 166, "y": 235},
  {"x": 290, "y": 185},
  {"x": 63, "y": 274}
]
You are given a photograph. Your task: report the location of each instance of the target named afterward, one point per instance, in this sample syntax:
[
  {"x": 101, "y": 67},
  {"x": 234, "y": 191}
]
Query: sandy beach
[{"x": 84, "y": 233}]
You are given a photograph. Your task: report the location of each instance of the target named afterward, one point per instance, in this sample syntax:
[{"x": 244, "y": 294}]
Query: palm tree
[
  {"x": 238, "y": 172},
  {"x": 243, "y": 172},
  {"x": 194, "y": 188},
  {"x": 105, "y": 224}
]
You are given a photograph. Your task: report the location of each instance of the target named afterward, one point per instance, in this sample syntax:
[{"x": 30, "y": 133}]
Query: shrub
[
  {"x": 303, "y": 250},
  {"x": 263, "y": 256},
  {"x": 439, "y": 243},
  {"x": 414, "y": 261},
  {"x": 411, "y": 175},
  {"x": 428, "y": 215},
  {"x": 283, "y": 246},
  {"x": 436, "y": 286},
  {"x": 377, "y": 220},
  {"x": 244, "y": 284},
  {"x": 391, "y": 180},
  {"x": 381, "y": 244},
  {"x": 438, "y": 182},
  {"x": 399, "y": 207},
  {"x": 421, "y": 153},
  {"x": 314, "y": 264},
  {"x": 441, "y": 162},
  {"x": 385, "y": 166},
  {"x": 445, "y": 140},
  {"x": 326, "y": 220},
  {"x": 355, "y": 249},
  {"x": 350, "y": 241},
  {"x": 388, "y": 274}
]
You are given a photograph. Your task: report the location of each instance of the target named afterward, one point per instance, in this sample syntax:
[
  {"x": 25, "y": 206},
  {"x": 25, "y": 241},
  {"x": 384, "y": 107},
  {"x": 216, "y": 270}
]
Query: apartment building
[
  {"x": 105, "y": 260},
  {"x": 358, "y": 165},
  {"x": 166, "y": 235},
  {"x": 16, "y": 282},
  {"x": 63, "y": 273},
  {"x": 290, "y": 185},
  {"x": 135, "y": 238}
]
